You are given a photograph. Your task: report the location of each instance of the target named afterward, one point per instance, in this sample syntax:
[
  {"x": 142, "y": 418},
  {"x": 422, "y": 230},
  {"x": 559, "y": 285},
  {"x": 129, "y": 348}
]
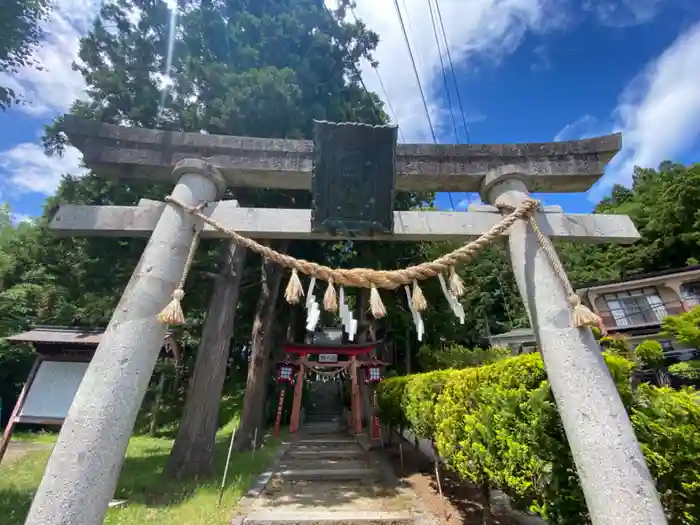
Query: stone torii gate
[{"x": 82, "y": 472}]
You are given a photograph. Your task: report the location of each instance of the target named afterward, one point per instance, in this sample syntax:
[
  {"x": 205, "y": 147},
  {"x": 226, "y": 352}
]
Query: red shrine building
[{"x": 324, "y": 366}]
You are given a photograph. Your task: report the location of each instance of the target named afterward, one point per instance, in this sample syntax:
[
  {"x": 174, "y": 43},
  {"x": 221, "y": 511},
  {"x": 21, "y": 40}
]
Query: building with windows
[{"x": 634, "y": 307}]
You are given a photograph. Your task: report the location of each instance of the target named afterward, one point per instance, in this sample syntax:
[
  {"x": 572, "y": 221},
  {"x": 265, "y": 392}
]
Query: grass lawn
[{"x": 151, "y": 498}]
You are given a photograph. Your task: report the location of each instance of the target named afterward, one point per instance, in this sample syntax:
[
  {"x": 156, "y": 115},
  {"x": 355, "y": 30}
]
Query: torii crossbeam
[{"x": 82, "y": 473}]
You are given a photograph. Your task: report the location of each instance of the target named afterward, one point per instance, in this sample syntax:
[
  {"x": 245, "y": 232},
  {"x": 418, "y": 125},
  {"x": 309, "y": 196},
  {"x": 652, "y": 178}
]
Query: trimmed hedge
[{"x": 497, "y": 426}]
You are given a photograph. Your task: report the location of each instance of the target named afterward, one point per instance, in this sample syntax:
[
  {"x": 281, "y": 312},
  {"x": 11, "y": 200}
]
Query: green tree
[
  {"x": 651, "y": 355},
  {"x": 265, "y": 68},
  {"x": 452, "y": 355},
  {"x": 685, "y": 327},
  {"x": 664, "y": 205},
  {"x": 19, "y": 35}
]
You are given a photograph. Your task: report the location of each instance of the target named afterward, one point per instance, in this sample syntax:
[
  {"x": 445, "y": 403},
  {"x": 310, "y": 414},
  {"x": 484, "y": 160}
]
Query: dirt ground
[{"x": 462, "y": 503}]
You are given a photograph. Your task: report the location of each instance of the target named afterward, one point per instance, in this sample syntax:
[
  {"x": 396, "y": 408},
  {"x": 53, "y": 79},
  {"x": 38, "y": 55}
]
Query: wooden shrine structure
[
  {"x": 82, "y": 472},
  {"x": 357, "y": 358},
  {"x": 62, "y": 358}
]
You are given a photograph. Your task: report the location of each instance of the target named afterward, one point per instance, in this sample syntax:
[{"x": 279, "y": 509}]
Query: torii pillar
[
  {"x": 614, "y": 476},
  {"x": 81, "y": 475}
]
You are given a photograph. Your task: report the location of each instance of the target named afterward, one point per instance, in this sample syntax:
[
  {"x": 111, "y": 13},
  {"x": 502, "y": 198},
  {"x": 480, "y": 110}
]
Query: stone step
[
  {"x": 323, "y": 463},
  {"x": 326, "y": 453},
  {"x": 305, "y": 517},
  {"x": 329, "y": 474},
  {"x": 325, "y": 441},
  {"x": 322, "y": 428}
]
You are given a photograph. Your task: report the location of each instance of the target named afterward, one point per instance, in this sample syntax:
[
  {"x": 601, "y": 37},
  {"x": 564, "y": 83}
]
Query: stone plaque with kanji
[{"x": 353, "y": 178}]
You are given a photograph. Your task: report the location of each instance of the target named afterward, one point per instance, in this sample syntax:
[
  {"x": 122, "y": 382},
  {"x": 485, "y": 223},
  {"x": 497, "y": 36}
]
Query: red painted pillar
[
  {"x": 356, "y": 402},
  {"x": 376, "y": 430},
  {"x": 296, "y": 405},
  {"x": 280, "y": 406}
]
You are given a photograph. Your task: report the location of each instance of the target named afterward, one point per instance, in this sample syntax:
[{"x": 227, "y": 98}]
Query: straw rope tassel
[
  {"x": 330, "y": 299},
  {"x": 376, "y": 305},
  {"x": 418, "y": 299},
  {"x": 172, "y": 314},
  {"x": 456, "y": 283},
  {"x": 581, "y": 315},
  {"x": 294, "y": 290}
]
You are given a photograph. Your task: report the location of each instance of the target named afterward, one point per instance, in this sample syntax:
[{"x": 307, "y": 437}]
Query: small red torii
[{"x": 355, "y": 361}]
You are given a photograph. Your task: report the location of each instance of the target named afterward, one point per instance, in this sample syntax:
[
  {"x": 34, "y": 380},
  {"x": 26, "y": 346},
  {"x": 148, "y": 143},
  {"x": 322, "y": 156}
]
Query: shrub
[
  {"x": 390, "y": 401},
  {"x": 616, "y": 345},
  {"x": 419, "y": 402},
  {"x": 455, "y": 356},
  {"x": 667, "y": 424},
  {"x": 498, "y": 426},
  {"x": 688, "y": 370},
  {"x": 650, "y": 354}
]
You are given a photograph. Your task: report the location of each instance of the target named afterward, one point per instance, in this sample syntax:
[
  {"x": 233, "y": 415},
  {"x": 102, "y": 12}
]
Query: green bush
[
  {"x": 650, "y": 354},
  {"x": 688, "y": 370},
  {"x": 498, "y": 426},
  {"x": 390, "y": 401},
  {"x": 667, "y": 424},
  {"x": 455, "y": 356},
  {"x": 419, "y": 402}
]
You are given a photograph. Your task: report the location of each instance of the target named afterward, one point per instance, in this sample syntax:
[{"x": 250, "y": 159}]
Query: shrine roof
[
  {"x": 340, "y": 348},
  {"x": 59, "y": 335},
  {"x": 88, "y": 337}
]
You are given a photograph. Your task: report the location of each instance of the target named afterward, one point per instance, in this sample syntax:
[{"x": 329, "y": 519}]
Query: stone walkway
[{"x": 329, "y": 479}]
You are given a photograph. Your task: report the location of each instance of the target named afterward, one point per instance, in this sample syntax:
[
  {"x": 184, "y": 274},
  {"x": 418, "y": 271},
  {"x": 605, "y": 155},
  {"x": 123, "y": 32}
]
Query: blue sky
[{"x": 527, "y": 70}]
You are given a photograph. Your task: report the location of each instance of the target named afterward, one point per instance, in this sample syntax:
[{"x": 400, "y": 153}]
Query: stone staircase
[{"x": 329, "y": 479}]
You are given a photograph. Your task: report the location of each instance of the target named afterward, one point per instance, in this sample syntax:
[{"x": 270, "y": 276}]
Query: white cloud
[
  {"x": 471, "y": 198},
  {"x": 585, "y": 127},
  {"x": 486, "y": 28},
  {"x": 26, "y": 169},
  {"x": 21, "y": 217},
  {"x": 55, "y": 86},
  {"x": 658, "y": 113},
  {"x": 623, "y": 13}
]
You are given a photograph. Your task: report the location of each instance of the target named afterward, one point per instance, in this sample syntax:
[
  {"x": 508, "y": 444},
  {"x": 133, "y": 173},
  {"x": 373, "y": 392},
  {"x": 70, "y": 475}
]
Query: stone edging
[{"x": 263, "y": 479}]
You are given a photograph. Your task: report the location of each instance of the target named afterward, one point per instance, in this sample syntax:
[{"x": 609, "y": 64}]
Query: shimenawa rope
[{"x": 387, "y": 279}]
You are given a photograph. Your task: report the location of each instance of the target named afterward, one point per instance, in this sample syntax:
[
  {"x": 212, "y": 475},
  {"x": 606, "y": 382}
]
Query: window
[
  {"x": 690, "y": 294},
  {"x": 633, "y": 307},
  {"x": 667, "y": 346}
]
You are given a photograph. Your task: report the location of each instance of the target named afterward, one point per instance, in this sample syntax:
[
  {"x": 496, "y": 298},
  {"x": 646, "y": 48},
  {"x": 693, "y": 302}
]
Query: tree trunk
[
  {"x": 156, "y": 405},
  {"x": 363, "y": 321},
  {"x": 256, "y": 383},
  {"x": 193, "y": 452},
  {"x": 486, "y": 515},
  {"x": 408, "y": 351}
]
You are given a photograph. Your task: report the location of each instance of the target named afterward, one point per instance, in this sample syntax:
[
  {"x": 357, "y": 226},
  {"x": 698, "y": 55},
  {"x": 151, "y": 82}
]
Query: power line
[
  {"x": 442, "y": 68},
  {"x": 377, "y": 112},
  {"x": 388, "y": 102},
  {"x": 415, "y": 70},
  {"x": 381, "y": 84},
  {"x": 452, "y": 68}
]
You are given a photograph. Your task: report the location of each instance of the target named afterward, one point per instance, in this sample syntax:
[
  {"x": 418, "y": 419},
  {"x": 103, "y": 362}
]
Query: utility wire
[
  {"x": 420, "y": 86},
  {"x": 388, "y": 102},
  {"x": 415, "y": 70},
  {"x": 452, "y": 68},
  {"x": 381, "y": 84},
  {"x": 375, "y": 108},
  {"x": 377, "y": 113},
  {"x": 442, "y": 68}
]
